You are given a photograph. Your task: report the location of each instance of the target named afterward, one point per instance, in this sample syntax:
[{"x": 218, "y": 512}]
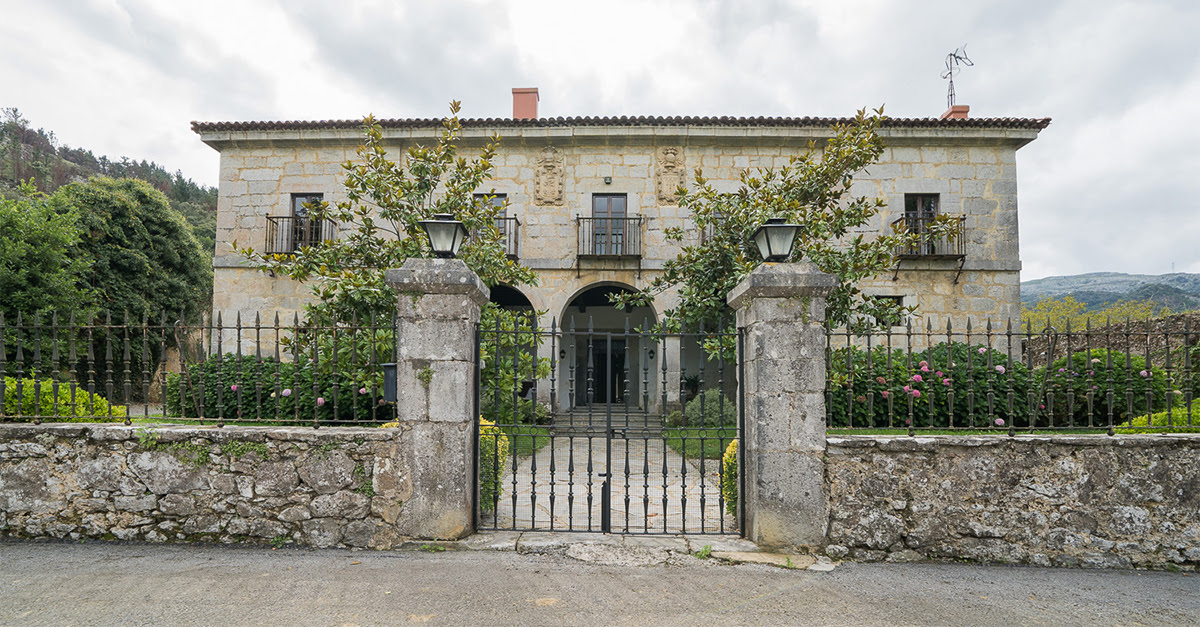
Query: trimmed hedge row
[{"x": 55, "y": 401}]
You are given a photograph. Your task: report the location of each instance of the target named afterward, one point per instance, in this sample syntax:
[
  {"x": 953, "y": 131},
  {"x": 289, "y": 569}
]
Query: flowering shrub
[
  {"x": 57, "y": 404},
  {"x": 729, "y": 477},
  {"x": 250, "y": 388},
  {"x": 1082, "y": 389},
  {"x": 948, "y": 384}
]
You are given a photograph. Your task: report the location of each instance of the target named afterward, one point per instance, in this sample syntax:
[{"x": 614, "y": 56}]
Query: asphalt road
[{"x": 123, "y": 584}]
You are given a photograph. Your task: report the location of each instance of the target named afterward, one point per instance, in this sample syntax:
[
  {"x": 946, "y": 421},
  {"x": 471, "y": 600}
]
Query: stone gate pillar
[
  {"x": 437, "y": 310},
  {"x": 781, "y": 307}
]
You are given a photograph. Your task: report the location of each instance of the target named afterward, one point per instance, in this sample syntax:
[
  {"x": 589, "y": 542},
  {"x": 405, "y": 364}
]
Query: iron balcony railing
[
  {"x": 287, "y": 234},
  {"x": 610, "y": 237},
  {"x": 929, "y": 245}
]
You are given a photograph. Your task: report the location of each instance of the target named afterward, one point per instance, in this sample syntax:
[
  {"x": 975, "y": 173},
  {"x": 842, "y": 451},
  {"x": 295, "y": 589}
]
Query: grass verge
[{"x": 696, "y": 442}]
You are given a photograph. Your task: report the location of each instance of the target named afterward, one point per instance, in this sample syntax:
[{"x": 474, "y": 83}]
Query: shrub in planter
[
  {"x": 710, "y": 409},
  {"x": 52, "y": 403}
]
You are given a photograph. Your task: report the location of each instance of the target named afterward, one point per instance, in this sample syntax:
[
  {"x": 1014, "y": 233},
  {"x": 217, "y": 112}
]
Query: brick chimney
[
  {"x": 956, "y": 112},
  {"x": 525, "y": 101}
]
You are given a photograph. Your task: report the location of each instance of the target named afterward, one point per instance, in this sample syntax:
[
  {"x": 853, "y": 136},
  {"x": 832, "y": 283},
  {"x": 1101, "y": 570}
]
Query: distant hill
[
  {"x": 36, "y": 154},
  {"x": 1178, "y": 291}
]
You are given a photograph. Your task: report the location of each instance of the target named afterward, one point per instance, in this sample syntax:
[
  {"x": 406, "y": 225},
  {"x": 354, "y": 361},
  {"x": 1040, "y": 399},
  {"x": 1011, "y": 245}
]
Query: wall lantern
[
  {"x": 445, "y": 234},
  {"x": 775, "y": 238}
]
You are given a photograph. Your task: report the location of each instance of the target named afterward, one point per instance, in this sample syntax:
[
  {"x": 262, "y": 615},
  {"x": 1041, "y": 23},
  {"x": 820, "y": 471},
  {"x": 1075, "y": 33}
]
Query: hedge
[
  {"x": 234, "y": 387},
  {"x": 56, "y": 401}
]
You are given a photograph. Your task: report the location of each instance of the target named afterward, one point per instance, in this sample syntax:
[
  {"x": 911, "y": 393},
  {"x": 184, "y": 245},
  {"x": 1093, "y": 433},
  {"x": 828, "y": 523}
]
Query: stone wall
[
  {"x": 1092, "y": 501},
  {"x": 325, "y": 488}
]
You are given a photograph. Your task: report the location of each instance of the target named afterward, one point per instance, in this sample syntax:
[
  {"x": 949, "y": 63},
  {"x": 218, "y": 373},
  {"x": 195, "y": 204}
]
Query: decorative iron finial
[{"x": 953, "y": 61}]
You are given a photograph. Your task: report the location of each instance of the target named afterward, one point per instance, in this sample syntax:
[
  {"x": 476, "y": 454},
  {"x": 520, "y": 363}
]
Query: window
[
  {"x": 608, "y": 227},
  {"x": 891, "y": 321},
  {"x": 306, "y": 231},
  {"x": 920, "y": 205},
  {"x": 298, "y": 228},
  {"x": 919, "y": 211},
  {"x": 502, "y": 215}
]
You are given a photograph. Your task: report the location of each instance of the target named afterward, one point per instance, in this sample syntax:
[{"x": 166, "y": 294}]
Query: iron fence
[
  {"x": 1122, "y": 377},
  {"x": 612, "y": 430},
  {"x": 277, "y": 371}
]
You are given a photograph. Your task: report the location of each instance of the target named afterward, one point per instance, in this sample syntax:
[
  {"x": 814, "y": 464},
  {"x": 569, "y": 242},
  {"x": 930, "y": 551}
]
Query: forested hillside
[{"x": 36, "y": 154}]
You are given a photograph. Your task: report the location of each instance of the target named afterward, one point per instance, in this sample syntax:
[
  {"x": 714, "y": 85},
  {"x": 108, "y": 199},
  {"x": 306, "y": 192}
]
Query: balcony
[
  {"x": 287, "y": 234},
  {"x": 930, "y": 247},
  {"x": 612, "y": 238}
]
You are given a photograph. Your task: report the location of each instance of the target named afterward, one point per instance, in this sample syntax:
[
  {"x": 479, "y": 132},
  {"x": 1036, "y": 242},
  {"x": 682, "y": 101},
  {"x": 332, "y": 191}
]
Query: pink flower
[
  {"x": 938, "y": 373},
  {"x": 381, "y": 401},
  {"x": 923, "y": 364},
  {"x": 1041, "y": 407},
  {"x": 233, "y": 388},
  {"x": 287, "y": 392},
  {"x": 917, "y": 378},
  {"x": 999, "y": 422},
  {"x": 982, "y": 350},
  {"x": 916, "y": 393},
  {"x": 362, "y": 390},
  {"x": 924, "y": 368},
  {"x": 884, "y": 393},
  {"x": 908, "y": 388},
  {"x": 945, "y": 381},
  {"x": 320, "y": 401},
  {"x": 880, "y": 380},
  {"x": 1144, "y": 373},
  {"x": 1000, "y": 369}
]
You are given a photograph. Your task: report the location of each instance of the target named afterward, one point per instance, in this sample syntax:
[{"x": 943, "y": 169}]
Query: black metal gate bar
[{"x": 544, "y": 417}]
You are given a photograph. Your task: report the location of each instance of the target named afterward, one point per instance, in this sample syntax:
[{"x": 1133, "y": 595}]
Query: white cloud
[{"x": 1109, "y": 186}]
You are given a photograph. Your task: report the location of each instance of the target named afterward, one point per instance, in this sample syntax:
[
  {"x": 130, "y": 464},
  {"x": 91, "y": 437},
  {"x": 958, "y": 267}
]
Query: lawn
[
  {"x": 526, "y": 439},
  {"x": 696, "y": 442}
]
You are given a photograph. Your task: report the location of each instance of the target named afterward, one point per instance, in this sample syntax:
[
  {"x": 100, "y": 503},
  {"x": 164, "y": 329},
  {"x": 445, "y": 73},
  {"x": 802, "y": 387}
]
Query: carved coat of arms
[
  {"x": 668, "y": 173},
  {"x": 548, "y": 178}
]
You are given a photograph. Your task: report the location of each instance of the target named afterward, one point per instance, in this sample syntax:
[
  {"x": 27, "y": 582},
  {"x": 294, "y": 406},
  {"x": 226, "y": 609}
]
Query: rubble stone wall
[
  {"x": 330, "y": 487},
  {"x": 1090, "y": 501}
]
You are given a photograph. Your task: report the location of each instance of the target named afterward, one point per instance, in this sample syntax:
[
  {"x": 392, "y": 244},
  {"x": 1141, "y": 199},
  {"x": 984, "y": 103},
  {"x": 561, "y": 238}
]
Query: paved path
[
  {"x": 550, "y": 496},
  {"x": 115, "y": 584}
]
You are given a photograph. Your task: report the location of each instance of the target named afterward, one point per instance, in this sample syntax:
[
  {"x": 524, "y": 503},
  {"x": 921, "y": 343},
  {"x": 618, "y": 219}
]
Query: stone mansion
[{"x": 590, "y": 199}]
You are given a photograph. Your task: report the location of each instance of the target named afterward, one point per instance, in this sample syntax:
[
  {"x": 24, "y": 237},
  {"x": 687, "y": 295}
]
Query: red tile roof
[{"x": 641, "y": 120}]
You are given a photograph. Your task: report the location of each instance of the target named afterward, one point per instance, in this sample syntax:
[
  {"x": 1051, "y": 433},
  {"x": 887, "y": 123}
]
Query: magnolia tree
[
  {"x": 813, "y": 191},
  {"x": 380, "y": 225}
]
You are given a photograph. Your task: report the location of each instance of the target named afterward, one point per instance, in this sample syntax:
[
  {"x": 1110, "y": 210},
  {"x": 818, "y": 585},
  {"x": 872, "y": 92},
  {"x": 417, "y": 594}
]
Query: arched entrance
[
  {"x": 510, "y": 298},
  {"x": 607, "y": 361}
]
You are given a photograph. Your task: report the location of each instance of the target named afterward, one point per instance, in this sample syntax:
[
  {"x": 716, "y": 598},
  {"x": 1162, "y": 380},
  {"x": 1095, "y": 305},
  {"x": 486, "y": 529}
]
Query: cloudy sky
[{"x": 1112, "y": 185}]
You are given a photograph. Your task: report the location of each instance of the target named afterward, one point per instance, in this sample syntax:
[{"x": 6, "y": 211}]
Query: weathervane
[{"x": 953, "y": 60}]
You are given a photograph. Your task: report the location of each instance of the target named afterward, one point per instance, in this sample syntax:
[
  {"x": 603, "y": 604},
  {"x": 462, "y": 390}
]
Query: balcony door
[
  {"x": 306, "y": 231},
  {"x": 608, "y": 234}
]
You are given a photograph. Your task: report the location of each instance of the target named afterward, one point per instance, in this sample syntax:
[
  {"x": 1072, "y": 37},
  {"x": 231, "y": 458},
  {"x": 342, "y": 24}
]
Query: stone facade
[
  {"x": 550, "y": 169},
  {"x": 1092, "y": 501},
  {"x": 342, "y": 487}
]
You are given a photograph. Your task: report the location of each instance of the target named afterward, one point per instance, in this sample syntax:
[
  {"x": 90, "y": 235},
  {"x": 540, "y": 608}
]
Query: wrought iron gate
[{"x": 621, "y": 431}]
